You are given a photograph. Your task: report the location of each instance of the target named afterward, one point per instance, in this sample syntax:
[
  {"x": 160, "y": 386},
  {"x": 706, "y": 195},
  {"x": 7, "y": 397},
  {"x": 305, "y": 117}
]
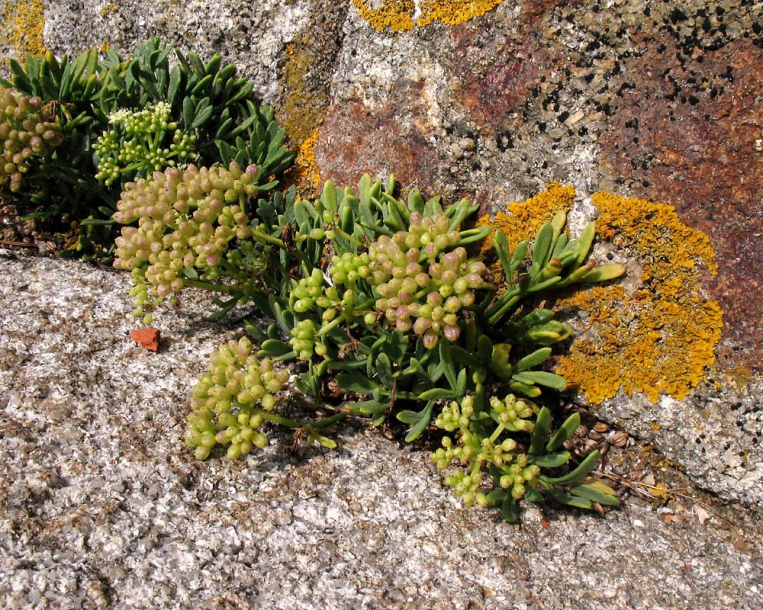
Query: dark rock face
[{"x": 693, "y": 139}]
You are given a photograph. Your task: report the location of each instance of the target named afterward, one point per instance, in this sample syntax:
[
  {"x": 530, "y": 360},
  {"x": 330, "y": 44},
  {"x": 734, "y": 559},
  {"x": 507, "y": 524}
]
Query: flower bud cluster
[
  {"x": 228, "y": 402},
  {"x": 307, "y": 291},
  {"x": 27, "y": 130},
  {"x": 311, "y": 292},
  {"x": 466, "y": 486},
  {"x": 513, "y": 413},
  {"x": 519, "y": 474},
  {"x": 185, "y": 220},
  {"x": 303, "y": 339},
  {"x": 424, "y": 279},
  {"x": 349, "y": 268},
  {"x": 136, "y": 143},
  {"x": 475, "y": 450}
]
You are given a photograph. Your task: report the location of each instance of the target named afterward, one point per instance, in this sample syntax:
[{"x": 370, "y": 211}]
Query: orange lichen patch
[
  {"x": 522, "y": 220},
  {"x": 397, "y": 15},
  {"x": 304, "y": 108},
  {"x": 305, "y": 173},
  {"x": 668, "y": 247},
  {"x": 453, "y": 12},
  {"x": 24, "y": 22},
  {"x": 661, "y": 338}
]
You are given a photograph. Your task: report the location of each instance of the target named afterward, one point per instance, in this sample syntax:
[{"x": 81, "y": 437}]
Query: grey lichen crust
[{"x": 101, "y": 505}]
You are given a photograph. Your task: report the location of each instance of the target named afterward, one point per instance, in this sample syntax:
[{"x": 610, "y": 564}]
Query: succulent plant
[
  {"x": 387, "y": 302},
  {"x": 141, "y": 142},
  {"x": 28, "y": 134},
  {"x": 233, "y": 400},
  {"x": 122, "y": 119},
  {"x": 486, "y": 443},
  {"x": 186, "y": 221}
]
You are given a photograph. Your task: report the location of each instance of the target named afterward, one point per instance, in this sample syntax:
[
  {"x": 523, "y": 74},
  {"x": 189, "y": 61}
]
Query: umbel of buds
[
  {"x": 137, "y": 142},
  {"x": 476, "y": 449},
  {"x": 186, "y": 220},
  {"x": 232, "y": 400},
  {"x": 423, "y": 278},
  {"x": 27, "y": 132}
]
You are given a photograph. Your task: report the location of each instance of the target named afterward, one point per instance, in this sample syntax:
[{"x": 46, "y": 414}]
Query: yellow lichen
[
  {"x": 393, "y": 14},
  {"x": 659, "y": 339},
  {"x": 305, "y": 173},
  {"x": 397, "y": 15},
  {"x": 453, "y": 12},
  {"x": 301, "y": 115},
  {"x": 304, "y": 108},
  {"x": 522, "y": 220},
  {"x": 24, "y": 22}
]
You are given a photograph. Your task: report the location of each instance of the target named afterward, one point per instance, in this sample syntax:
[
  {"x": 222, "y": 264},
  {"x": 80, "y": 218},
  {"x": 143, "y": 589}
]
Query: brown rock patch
[{"x": 688, "y": 132}]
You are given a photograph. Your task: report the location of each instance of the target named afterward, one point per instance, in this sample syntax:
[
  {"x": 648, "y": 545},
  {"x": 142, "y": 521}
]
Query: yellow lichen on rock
[
  {"x": 24, "y": 22},
  {"x": 521, "y": 220},
  {"x": 397, "y": 15},
  {"x": 305, "y": 174},
  {"x": 453, "y": 12},
  {"x": 661, "y": 338}
]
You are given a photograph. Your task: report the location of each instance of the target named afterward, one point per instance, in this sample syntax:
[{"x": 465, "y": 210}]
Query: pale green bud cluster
[
  {"x": 307, "y": 291},
  {"x": 303, "y": 339},
  {"x": 513, "y": 413},
  {"x": 229, "y": 401},
  {"x": 349, "y": 268},
  {"x": 466, "y": 486},
  {"x": 312, "y": 292},
  {"x": 137, "y": 143},
  {"x": 474, "y": 450},
  {"x": 186, "y": 220},
  {"x": 520, "y": 473},
  {"x": 27, "y": 131},
  {"x": 424, "y": 279}
]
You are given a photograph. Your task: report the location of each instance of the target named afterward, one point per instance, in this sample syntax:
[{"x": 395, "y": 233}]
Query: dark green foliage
[{"x": 213, "y": 118}]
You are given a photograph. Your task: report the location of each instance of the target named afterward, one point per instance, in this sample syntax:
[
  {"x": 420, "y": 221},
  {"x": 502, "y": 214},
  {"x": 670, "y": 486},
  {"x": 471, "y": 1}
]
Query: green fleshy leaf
[
  {"x": 551, "y": 460},
  {"x": 604, "y": 273},
  {"x": 569, "y": 499},
  {"x": 354, "y": 381},
  {"x": 565, "y": 432},
  {"x": 594, "y": 494},
  {"x": 537, "y": 358},
  {"x": 583, "y": 469},
  {"x": 540, "y": 432},
  {"x": 549, "y": 380},
  {"x": 421, "y": 425}
]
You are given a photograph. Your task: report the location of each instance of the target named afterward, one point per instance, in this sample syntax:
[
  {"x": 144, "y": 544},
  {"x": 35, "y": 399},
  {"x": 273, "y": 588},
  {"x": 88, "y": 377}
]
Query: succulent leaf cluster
[
  {"x": 232, "y": 401},
  {"x": 485, "y": 442},
  {"x": 28, "y": 134},
  {"x": 122, "y": 119}
]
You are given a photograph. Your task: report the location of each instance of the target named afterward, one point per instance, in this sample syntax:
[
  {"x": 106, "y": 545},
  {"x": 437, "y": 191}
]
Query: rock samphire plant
[
  {"x": 385, "y": 308},
  {"x": 105, "y": 121}
]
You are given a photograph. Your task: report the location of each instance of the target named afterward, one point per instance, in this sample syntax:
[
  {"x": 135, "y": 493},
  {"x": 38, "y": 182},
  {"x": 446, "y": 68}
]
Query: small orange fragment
[{"x": 147, "y": 338}]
